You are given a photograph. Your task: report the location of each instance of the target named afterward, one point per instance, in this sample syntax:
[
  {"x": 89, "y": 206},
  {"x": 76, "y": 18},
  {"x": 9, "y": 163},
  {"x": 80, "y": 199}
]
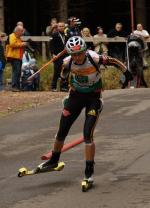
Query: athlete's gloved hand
[{"x": 103, "y": 59}]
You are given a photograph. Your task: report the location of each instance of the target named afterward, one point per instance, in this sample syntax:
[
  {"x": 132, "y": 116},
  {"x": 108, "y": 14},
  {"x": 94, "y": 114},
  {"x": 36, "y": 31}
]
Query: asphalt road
[{"x": 122, "y": 170}]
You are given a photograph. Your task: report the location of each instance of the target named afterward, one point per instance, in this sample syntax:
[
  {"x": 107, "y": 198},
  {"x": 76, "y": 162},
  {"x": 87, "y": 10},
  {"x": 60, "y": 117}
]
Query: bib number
[{"x": 82, "y": 79}]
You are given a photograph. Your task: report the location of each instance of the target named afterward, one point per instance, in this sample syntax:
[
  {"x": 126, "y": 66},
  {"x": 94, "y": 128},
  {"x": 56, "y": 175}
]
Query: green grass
[
  {"x": 110, "y": 76},
  {"x": 45, "y": 79},
  {"x": 46, "y": 76}
]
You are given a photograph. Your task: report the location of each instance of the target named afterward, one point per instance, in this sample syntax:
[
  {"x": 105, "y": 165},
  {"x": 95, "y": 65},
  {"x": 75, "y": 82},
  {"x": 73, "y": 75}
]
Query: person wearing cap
[
  {"x": 82, "y": 66},
  {"x": 73, "y": 28}
]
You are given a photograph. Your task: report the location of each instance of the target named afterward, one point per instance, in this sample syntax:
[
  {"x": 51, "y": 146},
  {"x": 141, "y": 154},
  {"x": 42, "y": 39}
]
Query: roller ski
[
  {"x": 87, "y": 184},
  {"x": 42, "y": 168}
]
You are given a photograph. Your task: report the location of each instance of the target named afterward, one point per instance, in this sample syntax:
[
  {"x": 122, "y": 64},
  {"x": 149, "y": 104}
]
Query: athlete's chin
[{"x": 79, "y": 62}]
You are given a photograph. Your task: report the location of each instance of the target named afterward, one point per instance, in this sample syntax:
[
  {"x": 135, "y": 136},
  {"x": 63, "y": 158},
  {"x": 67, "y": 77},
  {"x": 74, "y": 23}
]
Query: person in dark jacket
[
  {"x": 73, "y": 27},
  {"x": 2, "y": 64},
  {"x": 57, "y": 44},
  {"x": 117, "y": 50}
]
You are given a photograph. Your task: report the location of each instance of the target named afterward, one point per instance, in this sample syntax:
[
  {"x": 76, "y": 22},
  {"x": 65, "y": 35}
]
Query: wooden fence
[{"x": 45, "y": 39}]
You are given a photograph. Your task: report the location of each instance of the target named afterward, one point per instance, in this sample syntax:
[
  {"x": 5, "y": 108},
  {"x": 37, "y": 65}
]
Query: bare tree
[
  {"x": 141, "y": 12},
  {"x": 63, "y": 10},
  {"x": 2, "y": 15}
]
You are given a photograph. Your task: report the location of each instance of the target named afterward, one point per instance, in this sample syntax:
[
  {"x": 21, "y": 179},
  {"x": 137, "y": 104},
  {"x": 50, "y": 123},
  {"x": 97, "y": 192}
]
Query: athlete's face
[{"x": 78, "y": 58}]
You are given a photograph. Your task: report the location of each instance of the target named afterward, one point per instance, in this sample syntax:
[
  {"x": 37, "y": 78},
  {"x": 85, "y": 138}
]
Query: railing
[
  {"x": 115, "y": 39},
  {"x": 45, "y": 39}
]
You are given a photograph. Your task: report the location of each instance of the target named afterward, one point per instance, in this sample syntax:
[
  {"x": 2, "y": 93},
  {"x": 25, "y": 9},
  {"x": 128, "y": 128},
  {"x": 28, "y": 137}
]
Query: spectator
[
  {"x": 57, "y": 44},
  {"x": 14, "y": 53},
  {"x": 135, "y": 45},
  {"x": 117, "y": 50},
  {"x": 100, "y": 48},
  {"x": 144, "y": 34},
  {"x": 31, "y": 46},
  {"x": 73, "y": 27},
  {"x": 140, "y": 31},
  {"x": 25, "y": 32},
  {"x": 52, "y": 27},
  {"x": 2, "y": 34},
  {"x": 29, "y": 67},
  {"x": 85, "y": 32},
  {"x": 2, "y": 65}
]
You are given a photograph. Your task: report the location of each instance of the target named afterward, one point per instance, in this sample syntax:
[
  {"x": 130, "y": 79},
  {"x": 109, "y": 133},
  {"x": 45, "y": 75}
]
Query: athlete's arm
[
  {"x": 122, "y": 67},
  {"x": 65, "y": 71},
  {"x": 107, "y": 60},
  {"x": 114, "y": 61}
]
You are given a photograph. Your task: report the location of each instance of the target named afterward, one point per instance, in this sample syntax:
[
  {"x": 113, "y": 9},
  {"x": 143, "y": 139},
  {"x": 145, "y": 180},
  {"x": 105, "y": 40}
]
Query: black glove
[{"x": 128, "y": 77}]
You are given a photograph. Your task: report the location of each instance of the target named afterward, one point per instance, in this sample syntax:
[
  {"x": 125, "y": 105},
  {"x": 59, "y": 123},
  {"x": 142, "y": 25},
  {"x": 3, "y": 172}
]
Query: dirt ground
[{"x": 11, "y": 102}]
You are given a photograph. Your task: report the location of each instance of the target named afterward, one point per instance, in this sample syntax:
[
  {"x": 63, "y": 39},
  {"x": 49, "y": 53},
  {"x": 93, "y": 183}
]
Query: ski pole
[
  {"x": 45, "y": 65},
  {"x": 128, "y": 65},
  {"x": 128, "y": 61},
  {"x": 65, "y": 148}
]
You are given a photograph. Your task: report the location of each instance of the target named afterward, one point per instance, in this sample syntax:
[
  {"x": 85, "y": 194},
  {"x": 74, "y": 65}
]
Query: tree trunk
[
  {"x": 63, "y": 10},
  {"x": 1, "y": 16},
  {"x": 141, "y": 12}
]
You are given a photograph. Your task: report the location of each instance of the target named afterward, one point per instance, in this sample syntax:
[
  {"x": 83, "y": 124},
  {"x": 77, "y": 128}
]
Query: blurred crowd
[{"x": 20, "y": 54}]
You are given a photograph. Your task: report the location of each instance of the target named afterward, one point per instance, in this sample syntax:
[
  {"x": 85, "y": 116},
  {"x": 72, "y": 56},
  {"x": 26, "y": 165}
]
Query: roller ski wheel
[
  {"x": 25, "y": 172},
  {"x": 87, "y": 184}
]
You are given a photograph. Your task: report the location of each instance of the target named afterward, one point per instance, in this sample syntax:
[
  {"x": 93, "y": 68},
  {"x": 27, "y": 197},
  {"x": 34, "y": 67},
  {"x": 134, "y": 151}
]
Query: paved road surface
[{"x": 122, "y": 171}]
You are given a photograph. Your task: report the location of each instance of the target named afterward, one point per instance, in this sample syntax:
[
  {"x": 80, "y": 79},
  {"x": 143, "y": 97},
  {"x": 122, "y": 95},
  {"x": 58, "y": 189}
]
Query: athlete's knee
[
  {"x": 60, "y": 138},
  {"x": 88, "y": 140},
  {"x": 99, "y": 105},
  {"x": 65, "y": 101}
]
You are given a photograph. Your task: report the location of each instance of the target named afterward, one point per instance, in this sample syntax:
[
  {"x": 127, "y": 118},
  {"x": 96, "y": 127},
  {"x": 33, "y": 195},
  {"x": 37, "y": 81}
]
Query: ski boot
[
  {"x": 87, "y": 184},
  {"x": 50, "y": 165},
  {"x": 49, "y": 168}
]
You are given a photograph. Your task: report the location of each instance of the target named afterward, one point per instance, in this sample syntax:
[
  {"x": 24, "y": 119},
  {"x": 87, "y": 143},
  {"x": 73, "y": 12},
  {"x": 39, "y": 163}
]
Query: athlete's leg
[
  {"x": 92, "y": 113},
  {"x": 71, "y": 111}
]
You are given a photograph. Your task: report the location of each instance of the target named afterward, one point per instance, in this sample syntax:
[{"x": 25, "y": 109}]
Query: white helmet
[{"x": 75, "y": 44}]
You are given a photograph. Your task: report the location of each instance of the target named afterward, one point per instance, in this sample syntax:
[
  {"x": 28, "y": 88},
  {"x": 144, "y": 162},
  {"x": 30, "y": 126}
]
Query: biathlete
[{"x": 82, "y": 69}]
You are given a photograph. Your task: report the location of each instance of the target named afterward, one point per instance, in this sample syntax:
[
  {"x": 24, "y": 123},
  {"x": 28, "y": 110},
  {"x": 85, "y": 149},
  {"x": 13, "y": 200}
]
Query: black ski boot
[
  {"x": 50, "y": 164},
  {"x": 88, "y": 181}
]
